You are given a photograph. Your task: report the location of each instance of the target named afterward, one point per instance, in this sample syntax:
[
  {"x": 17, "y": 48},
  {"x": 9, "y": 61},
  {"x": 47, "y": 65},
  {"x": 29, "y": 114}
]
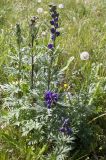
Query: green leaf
[{"x": 68, "y": 63}]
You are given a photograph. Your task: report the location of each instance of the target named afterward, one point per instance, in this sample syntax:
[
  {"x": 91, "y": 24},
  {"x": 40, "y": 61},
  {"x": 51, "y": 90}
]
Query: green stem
[
  {"x": 32, "y": 63},
  {"x": 49, "y": 70},
  {"x": 19, "y": 65},
  {"x": 94, "y": 119},
  {"x": 50, "y": 65},
  {"x": 20, "y": 59}
]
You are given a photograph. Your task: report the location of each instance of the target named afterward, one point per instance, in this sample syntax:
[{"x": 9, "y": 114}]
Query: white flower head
[
  {"x": 74, "y": 19},
  {"x": 39, "y": 1},
  {"x": 84, "y": 55},
  {"x": 43, "y": 33},
  {"x": 86, "y": 1},
  {"x": 23, "y": 49},
  {"x": 61, "y": 6},
  {"x": 40, "y": 10}
]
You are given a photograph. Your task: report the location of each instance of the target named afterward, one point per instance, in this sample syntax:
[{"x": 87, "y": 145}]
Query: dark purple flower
[
  {"x": 55, "y": 97},
  {"x": 56, "y": 19},
  {"x": 53, "y": 15},
  {"x": 52, "y": 22},
  {"x": 53, "y": 30},
  {"x": 50, "y": 46},
  {"x": 57, "y": 33},
  {"x": 62, "y": 129},
  {"x": 68, "y": 131},
  {"x": 53, "y": 37},
  {"x": 56, "y": 25},
  {"x": 65, "y": 127},
  {"x": 50, "y": 98},
  {"x": 48, "y": 103}
]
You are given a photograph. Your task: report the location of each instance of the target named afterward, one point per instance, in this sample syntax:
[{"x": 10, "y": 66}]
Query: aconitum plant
[{"x": 50, "y": 97}]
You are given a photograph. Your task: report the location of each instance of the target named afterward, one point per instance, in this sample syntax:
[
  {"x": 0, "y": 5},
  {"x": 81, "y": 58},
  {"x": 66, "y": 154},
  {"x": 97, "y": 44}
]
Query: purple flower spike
[
  {"x": 55, "y": 25},
  {"x": 50, "y": 46}
]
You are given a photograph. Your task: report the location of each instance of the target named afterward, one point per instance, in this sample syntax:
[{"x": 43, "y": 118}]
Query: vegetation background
[{"x": 27, "y": 132}]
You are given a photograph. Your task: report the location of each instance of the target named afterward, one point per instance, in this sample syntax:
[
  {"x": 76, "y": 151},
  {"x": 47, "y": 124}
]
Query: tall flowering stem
[
  {"x": 33, "y": 33},
  {"x": 19, "y": 41},
  {"x": 54, "y": 33}
]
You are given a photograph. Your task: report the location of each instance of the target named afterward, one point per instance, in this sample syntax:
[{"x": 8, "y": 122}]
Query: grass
[{"x": 83, "y": 28}]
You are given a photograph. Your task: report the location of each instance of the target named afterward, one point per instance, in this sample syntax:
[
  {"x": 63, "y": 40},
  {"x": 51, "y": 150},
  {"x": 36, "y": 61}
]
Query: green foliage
[{"x": 28, "y": 69}]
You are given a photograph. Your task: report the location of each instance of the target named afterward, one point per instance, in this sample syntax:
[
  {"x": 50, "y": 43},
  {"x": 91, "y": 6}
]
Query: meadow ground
[{"x": 53, "y": 98}]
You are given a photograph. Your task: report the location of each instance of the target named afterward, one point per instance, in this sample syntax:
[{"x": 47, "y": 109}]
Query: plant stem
[
  {"x": 20, "y": 59},
  {"x": 49, "y": 76},
  {"x": 32, "y": 63},
  {"x": 50, "y": 65},
  {"x": 19, "y": 41},
  {"x": 94, "y": 119}
]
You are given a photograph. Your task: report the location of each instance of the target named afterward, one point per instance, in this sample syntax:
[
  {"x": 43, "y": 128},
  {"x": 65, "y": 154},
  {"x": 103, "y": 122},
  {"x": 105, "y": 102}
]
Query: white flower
[
  {"x": 84, "y": 55},
  {"x": 40, "y": 10},
  {"x": 74, "y": 19},
  {"x": 86, "y": 1},
  {"x": 61, "y": 5},
  {"x": 39, "y": 1},
  {"x": 23, "y": 49},
  {"x": 43, "y": 33}
]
